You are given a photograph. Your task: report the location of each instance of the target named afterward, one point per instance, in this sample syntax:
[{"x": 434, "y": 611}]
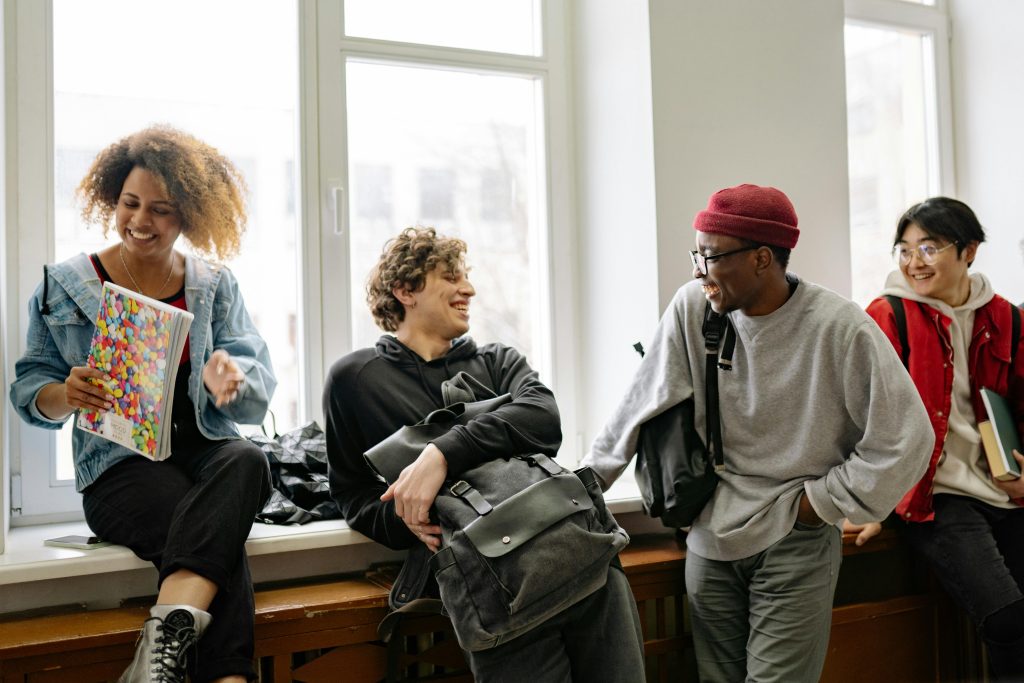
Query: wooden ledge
[
  {"x": 665, "y": 550},
  {"x": 658, "y": 557},
  {"x": 89, "y": 630}
]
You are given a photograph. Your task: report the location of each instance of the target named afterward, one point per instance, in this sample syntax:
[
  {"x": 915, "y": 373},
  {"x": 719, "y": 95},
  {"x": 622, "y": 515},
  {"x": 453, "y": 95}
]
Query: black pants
[
  {"x": 597, "y": 640},
  {"x": 193, "y": 511},
  {"x": 977, "y": 551}
]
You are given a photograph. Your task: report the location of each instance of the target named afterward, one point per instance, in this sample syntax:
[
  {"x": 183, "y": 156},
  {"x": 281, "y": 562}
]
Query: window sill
[{"x": 26, "y": 559}]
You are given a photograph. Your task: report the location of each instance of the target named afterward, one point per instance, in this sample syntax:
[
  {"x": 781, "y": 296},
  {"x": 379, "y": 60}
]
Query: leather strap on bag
[
  {"x": 462, "y": 489},
  {"x": 544, "y": 462},
  {"x": 715, "y": 327}
]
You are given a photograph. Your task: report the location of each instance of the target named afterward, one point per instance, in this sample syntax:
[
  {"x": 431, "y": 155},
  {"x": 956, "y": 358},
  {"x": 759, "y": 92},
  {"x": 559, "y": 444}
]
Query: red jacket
[{"x": 931, "y": 368}]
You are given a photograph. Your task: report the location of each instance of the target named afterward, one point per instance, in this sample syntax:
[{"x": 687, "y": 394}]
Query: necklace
[{"x": 120, "y": 252}]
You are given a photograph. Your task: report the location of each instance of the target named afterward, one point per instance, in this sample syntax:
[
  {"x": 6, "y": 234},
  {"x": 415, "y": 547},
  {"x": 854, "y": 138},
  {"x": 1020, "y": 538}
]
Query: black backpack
[
  {"x": 298, "y": 473},
  {"x": 675, "y": 472},
  {"x": 522, "y": 538}
]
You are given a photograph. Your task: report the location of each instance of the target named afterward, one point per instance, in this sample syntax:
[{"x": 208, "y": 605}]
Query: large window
[
  {"x": 503, "y": 26},
  {"x": 236, "y": 90},
  {"x": 443, "y": 118},
  {"x": 350, "y": 120},
  {"x": 468, "y": 164},
  {"x": 896, "y": 84}
]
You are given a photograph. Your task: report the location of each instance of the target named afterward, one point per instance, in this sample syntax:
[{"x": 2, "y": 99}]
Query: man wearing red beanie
[{"x": 819, "y": 423}]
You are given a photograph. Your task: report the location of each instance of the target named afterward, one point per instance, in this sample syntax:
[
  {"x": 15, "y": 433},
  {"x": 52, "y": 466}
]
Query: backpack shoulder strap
[
  {"x": 1015, "y": 337},
  {"x": 901, "y": 327},
  {"x": 713, "y": 328}
]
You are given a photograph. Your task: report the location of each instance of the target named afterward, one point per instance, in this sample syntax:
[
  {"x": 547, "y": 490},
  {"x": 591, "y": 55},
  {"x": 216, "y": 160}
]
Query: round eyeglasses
[
  {"x": 700, "y": 262},
  {"x": 928, "y": 252}
]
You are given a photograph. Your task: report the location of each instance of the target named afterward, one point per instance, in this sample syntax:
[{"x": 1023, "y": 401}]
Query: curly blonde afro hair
[
  {"x": 206, "y": 189},
  {"x": 404, "y": 264}
]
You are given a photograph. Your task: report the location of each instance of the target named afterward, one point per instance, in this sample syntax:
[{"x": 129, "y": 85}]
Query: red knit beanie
[{"x": 751, "y": 212}]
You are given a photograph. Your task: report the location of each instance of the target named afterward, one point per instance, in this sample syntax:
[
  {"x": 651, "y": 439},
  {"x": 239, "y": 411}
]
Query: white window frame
[
  {"x": 932, "y": 20},
  {"x": 558, "y": 322},
  {"x": 325, "y": 313},
  {"x": 36, "y": 491}
]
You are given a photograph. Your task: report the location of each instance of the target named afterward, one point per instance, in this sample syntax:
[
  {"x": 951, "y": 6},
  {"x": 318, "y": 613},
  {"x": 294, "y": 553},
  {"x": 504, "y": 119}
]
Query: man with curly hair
[{"x": 420, "y": 293}]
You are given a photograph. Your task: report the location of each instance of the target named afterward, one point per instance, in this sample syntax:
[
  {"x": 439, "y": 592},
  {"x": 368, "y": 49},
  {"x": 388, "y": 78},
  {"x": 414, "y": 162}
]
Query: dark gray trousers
[{"x": 766, "y": 617}]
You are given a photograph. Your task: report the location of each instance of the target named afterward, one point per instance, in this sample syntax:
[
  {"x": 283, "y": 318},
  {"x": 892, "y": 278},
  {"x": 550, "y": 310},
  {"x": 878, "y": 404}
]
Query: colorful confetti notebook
[{"x": 138, "y": 342}]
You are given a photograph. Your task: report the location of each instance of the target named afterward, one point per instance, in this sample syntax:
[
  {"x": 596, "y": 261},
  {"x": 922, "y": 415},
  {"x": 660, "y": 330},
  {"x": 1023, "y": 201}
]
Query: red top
[
  {"x": 931, "y": 368},
  {"x": 177, "y": 300}
]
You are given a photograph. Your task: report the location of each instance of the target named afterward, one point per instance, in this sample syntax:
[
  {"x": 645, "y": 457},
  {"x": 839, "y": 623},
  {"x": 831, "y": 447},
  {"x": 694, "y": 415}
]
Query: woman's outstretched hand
[{"x": 223, "y": 378}]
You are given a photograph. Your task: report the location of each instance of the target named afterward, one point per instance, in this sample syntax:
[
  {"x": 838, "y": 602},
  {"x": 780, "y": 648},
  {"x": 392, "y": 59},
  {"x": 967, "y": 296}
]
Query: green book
[{"x": 999, "y": 437}]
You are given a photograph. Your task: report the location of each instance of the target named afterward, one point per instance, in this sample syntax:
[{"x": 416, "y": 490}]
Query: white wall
[
  {"x": 734, "y": 91},
  {"x": 617, "y": 231},
  {"x": 751, "y": 92},
  {"x": 988, "y": 108}
]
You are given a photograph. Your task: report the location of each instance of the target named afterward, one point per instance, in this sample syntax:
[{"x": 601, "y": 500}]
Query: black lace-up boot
[{"x": 166, "y": 644}]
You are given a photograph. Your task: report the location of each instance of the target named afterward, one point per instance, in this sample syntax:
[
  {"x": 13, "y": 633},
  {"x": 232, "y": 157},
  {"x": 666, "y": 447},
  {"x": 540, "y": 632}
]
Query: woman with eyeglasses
[{"x": 960, "y": 338}]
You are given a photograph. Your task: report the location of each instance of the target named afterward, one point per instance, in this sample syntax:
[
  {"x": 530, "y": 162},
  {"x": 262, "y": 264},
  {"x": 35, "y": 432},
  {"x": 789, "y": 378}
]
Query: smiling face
[
  {"x": 731, "y": 283},
  {"x": 440, "y": 310},
  {"x": 146, "y": 218},
  {"x": 947, "y": 279}
]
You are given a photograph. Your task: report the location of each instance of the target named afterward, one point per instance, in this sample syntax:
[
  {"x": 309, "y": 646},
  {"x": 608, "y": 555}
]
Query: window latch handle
[{"x": 339, "y": 208}]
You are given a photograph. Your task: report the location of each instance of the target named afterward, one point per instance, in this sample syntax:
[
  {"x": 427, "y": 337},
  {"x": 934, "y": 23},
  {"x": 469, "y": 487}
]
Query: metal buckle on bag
[
  {"x": 464, "y": 491},
  {"x": 459, "y": 488}
]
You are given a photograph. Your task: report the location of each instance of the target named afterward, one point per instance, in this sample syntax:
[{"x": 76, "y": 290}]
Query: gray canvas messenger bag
[{"x": 522, "y": 537}]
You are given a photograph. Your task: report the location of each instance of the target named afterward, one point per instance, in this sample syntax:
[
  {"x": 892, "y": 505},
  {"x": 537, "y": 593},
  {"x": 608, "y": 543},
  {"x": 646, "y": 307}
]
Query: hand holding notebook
[
  {"x": 137, "y": 343},
  {"x": 999, "y": 437}
]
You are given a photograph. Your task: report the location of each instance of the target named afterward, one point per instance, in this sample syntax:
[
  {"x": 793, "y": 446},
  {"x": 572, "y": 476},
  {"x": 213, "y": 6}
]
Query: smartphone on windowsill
[{"x": 77, "y": 542}]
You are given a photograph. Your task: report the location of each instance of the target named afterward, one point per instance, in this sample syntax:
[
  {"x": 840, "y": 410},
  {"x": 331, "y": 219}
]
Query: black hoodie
[{"x": 370, "y": 393}]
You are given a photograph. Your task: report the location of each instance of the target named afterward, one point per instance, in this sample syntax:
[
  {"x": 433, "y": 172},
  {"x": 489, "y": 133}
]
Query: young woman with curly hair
[{"x": 190, "y": 514}]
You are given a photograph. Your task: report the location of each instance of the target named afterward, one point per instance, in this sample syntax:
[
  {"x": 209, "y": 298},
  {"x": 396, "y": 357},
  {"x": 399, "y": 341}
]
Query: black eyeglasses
[{"x": 700, "y": 262}]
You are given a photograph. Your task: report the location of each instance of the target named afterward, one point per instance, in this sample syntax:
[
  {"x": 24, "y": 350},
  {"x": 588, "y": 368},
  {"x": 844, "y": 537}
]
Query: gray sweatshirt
[{"x": 817, "y": 402}]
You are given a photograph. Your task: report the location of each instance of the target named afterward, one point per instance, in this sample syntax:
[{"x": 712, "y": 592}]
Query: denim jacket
[{"x": 59, "y": 336}]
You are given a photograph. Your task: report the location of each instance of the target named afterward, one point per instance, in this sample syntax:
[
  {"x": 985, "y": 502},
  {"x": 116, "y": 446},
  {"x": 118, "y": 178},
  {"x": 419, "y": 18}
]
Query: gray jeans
[{"x": 766, "y": 617}]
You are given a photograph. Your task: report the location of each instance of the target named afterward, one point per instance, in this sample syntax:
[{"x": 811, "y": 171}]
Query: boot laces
[{"x": 170, "y": 656}]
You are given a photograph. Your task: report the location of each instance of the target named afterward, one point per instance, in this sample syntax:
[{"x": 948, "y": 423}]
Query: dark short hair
[
  {"x": 404, "y": 264},
  {"x": 945, "y": 218},
  {"x": 780, "y": 254}
]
